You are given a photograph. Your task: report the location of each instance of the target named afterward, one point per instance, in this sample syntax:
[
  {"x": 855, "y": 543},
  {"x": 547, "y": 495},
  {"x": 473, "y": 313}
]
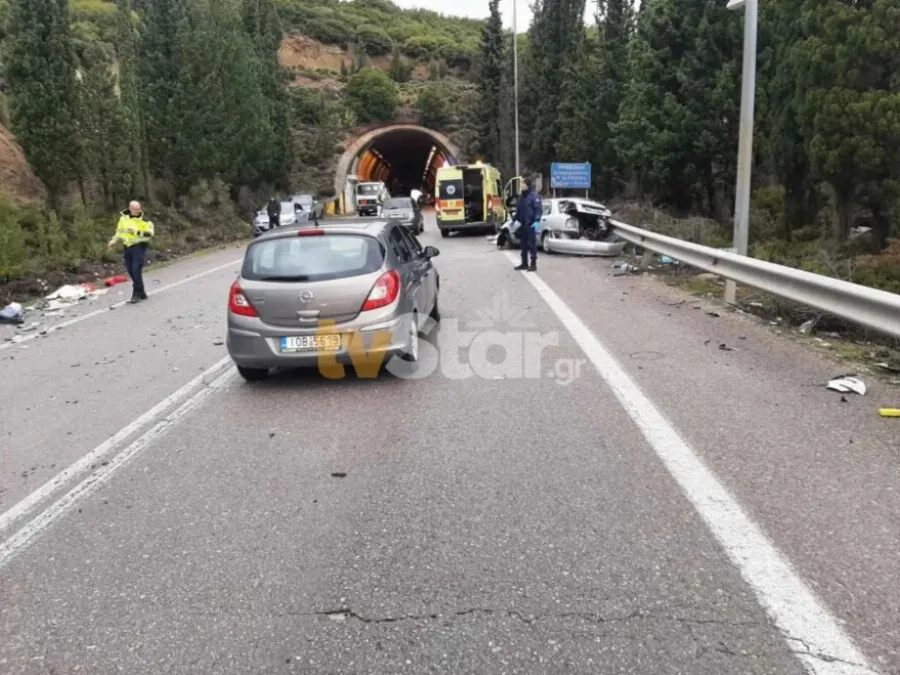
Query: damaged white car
[{"x": 570, "y": 225}]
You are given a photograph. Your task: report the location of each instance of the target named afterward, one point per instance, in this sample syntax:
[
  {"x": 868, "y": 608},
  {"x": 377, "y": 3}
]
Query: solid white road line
[
  {"x": 28, "y": 533},
  {"x": 56, "y": 483},
  {"x": 811, "y": 631},
  {"x": 122, "y": 303}
]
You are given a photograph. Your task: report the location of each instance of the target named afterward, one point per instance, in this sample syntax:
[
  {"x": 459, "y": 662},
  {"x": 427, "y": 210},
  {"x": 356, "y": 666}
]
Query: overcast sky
[{"x": 478, "y": 9}]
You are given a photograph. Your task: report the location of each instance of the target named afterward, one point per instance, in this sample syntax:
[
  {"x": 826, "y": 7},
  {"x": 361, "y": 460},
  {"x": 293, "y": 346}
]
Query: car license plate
[{"x": 311, "y": 343}]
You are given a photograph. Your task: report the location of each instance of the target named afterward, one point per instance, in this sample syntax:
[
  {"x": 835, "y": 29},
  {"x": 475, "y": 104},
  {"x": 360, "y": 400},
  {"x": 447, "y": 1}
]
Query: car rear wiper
[{"x": 298, "y": 277}]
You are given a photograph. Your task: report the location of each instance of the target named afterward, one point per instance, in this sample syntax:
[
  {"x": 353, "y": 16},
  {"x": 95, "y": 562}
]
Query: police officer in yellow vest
[{"x": 135, "y": 233}]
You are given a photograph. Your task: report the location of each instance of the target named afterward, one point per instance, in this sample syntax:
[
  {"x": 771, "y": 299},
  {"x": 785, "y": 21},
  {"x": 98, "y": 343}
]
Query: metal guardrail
[{"x": 870, "y": 307}]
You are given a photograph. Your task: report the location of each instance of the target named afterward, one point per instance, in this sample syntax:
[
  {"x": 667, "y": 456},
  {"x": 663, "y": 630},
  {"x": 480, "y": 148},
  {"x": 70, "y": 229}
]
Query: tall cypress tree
[
  {"x": 556, "y": 36},
  {"x": 41, "y": 70},
  {"x": 132, "y": 102},
  {"x": 263, "y": 25},
  {"x": 158, "y": 74},
  {"x": 490, "y": 84}
]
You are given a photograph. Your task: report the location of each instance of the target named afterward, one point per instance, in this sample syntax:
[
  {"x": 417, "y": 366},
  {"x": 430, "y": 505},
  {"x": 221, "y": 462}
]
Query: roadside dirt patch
[
  {"x": 300, "y": 51},
  {"x": 17, "y": 180}
]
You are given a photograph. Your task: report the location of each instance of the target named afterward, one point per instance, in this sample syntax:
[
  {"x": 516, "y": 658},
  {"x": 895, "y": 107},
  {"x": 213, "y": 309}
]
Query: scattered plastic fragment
[
  {"x": 71, "y": 293},
  {"x": 12, "y": 313},
  {"x": 807, "y": 326},
  {"x": 847, "y": 384},
  {"x": 889, "y": 412},
  {"x": 621, "y": 268},
  {"x": 666, "y": 260},
  {"x": 888, "y": 367},
  {"x": 112, "y": 281}
]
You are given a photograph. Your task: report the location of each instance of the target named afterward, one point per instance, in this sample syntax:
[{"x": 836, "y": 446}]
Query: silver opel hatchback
[{"x": 331, "y": 294}]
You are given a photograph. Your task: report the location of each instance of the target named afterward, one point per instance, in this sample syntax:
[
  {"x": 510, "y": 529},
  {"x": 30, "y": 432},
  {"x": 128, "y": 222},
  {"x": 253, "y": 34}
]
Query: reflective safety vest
[{"x": 132, "y": 230}]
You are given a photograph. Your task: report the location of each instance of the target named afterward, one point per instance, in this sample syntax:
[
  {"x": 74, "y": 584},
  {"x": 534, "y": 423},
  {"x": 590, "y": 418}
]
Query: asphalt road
[{"x": 642, "y": 502}]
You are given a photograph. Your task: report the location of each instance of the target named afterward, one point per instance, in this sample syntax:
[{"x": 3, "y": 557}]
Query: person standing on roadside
[
  {"x": 135, "y": 233},
  {"x": 528, "y": 212},
  {"x": 274, "y": 211}
]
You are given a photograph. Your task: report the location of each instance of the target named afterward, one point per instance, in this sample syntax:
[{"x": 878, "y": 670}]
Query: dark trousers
[
  {"x": 135, "y": 256},
  {"x": 274, "y": 222},
  {"x": 528, "y": 238}
]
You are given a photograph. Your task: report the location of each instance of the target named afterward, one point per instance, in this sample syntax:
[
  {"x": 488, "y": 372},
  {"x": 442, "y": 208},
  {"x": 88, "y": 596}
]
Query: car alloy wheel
[
  {"x": 545, "y": 243},
  {"x": 412, "y": 347}
]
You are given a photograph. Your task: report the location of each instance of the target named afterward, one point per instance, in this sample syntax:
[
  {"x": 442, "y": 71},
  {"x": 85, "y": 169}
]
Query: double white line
[{"x": 98, "y": 465}]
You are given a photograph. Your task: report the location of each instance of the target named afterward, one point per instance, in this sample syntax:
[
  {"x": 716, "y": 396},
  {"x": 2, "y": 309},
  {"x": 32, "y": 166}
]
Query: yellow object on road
[{"x": 889, "y": 412}]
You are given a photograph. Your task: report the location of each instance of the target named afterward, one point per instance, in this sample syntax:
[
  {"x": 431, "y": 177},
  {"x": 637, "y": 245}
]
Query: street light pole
[
  {"x": 516, "y": 81},
  {"x": 745, "y": 142}
]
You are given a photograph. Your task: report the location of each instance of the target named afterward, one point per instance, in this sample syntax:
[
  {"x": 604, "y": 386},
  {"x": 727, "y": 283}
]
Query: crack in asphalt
[
  {"x": 529, "y": 620},
  {"x": 826, "y": 658}
]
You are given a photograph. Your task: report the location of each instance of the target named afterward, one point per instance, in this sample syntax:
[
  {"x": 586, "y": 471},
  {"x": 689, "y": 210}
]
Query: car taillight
[
  {"x": 238, "y": 303},
  {"x": 310, "y": 232},
  {"x": 384, "y": 292}
]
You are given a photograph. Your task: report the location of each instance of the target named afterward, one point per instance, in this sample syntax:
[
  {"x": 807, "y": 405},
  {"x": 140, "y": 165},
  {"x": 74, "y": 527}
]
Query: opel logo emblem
[{"x": 306, "y": 296}]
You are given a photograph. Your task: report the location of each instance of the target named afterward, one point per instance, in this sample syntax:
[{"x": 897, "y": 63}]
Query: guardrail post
[
  {"x": 730, "y": 292},
  {"x": 646, "y": 259}
]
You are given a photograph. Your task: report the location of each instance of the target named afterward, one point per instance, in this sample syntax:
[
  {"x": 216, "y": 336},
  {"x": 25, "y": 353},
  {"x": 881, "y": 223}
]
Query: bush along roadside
[{"x": 40, "y": 251}]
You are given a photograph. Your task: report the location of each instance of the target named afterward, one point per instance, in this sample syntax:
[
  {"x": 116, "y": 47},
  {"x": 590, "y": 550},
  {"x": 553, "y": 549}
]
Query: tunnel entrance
[{"x": 405, "y": 157}]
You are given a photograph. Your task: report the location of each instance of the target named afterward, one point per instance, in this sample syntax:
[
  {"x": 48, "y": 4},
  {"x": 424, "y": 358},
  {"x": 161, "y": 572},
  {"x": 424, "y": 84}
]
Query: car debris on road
[
  {"x": 12, "y": 313},
  {"x": 847, "y": 384}
]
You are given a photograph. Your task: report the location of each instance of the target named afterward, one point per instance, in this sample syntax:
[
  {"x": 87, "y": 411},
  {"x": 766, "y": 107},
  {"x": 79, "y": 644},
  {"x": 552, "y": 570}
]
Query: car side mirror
[{"x": 430, "y": 252}]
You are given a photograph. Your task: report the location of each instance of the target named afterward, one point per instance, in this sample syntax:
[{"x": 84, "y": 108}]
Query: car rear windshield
[
  {"x": 312, "y": 258},
  {"x": 451, "y": 189},
  {"x": 398, "y": 204},
  {"x": 370, "y": 189}
]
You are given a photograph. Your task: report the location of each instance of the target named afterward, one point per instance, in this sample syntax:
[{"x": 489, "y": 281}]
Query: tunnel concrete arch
[{"x": 405, "y": 156}]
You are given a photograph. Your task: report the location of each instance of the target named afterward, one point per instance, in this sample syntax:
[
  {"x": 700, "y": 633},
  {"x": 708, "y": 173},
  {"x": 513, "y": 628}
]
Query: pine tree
[
  {"x": 102, "y": 129},
  {"x": 132, "y": 109},
  {"x": 41, "y": 71},
  {"x": 265, "y": 30},
  {"x": 399, "y": 70},
  {"x": 679, "y": 111},
  {"x": 490, "y": 84},
  {"x": 158, "y": 74},
  {"x": 556, "y": 36},
  {"x": 615, "y": 23}
]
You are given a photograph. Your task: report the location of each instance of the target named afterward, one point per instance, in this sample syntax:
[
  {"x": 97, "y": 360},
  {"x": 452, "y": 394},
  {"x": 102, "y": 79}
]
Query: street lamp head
[{"x": 736, "y": 4}]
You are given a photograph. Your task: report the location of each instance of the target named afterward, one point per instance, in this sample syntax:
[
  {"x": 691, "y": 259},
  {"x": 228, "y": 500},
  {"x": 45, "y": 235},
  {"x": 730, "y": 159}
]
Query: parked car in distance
[
  {"x": 311, "y": 205},
  {"x": 292, "y": 214},
  {"x": 260, "y": 223},
  {"x": 406, "y": 211},
  {"x": 363, "y": 278}
]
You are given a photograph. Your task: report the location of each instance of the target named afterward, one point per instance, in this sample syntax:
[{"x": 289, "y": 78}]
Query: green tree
[
  {"x": 677, "y": 128},
  {"x": 158, "y": 75},
  {"x": 433, "y": 107},
  {"x": 102, "y": 128},
  {"x": 41, "y": 71},
  {"x": 556, "y": 35},
  {"x": 399, "y": 70},
  {"x": 490, "y": 84},
  {"x": 371, "y": 95},
  {"x": 265, "y": 30},
  {"x": 132, "y": 101}
]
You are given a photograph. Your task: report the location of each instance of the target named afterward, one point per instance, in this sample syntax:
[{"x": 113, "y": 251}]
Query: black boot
[
  {"x": 533, "y": 266},
  {"x": 521, "y": 268}
]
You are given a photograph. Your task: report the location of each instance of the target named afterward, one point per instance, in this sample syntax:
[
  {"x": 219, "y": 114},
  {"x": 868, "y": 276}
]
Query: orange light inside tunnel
[{"x": 372, "y": 166}]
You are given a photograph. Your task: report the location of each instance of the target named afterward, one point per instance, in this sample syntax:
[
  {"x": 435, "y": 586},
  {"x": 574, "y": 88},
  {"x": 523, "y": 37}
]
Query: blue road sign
[{"x": 573, "y": 176}]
